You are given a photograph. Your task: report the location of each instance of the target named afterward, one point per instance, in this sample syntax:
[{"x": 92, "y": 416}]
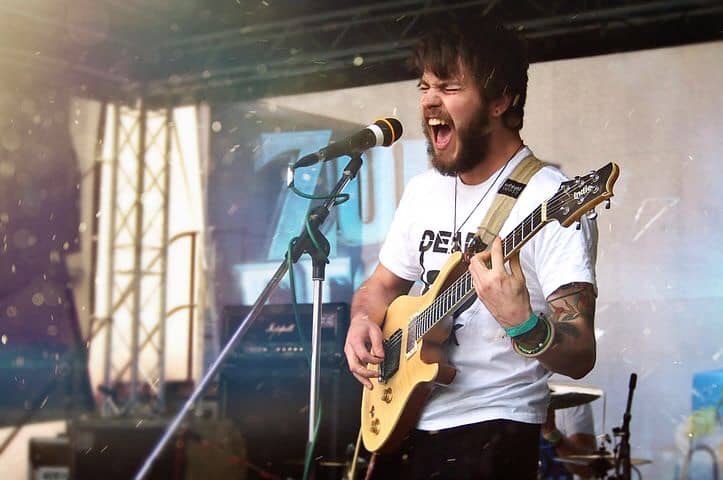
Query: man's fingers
[
  {"x": 368, "y": 357},
  {"x": 363, "y": 381},
  {"x": 377, "y": 339},
  {"x": 498, "y": 260},
  {"x": 516, "y": 267},
  {"x": 482, "y": 261},
  {"x": 484, "y": 257},
  {"x": 358, "y": 361},
  {"x": 359, "y": 370}
]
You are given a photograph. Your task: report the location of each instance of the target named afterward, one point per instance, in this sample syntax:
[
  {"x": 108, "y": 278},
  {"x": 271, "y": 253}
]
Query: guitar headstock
[{"x": 581, "y": 195}]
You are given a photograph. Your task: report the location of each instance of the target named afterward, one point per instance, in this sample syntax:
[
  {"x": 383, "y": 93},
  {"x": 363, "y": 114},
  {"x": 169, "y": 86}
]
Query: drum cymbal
[
  {"x": 597, "y": 458},
  {"x": 566, "y": 395}
]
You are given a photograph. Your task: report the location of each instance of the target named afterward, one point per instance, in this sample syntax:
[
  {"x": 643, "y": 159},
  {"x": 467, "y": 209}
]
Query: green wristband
[{"x": 524, "y": 327}]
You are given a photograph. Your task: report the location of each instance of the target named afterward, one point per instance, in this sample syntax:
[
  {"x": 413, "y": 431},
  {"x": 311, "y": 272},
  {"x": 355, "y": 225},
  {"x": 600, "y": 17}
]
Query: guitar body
[{"x": 392, "y": 408}]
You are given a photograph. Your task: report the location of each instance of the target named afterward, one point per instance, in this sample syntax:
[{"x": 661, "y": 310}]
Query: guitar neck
[{"x": 462, "y": 289}]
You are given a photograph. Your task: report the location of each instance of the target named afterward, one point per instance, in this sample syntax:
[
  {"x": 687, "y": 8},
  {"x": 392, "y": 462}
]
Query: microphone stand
[
  {"x": 623, "y": 432},
  {"x": 319, "y": 261},
  {"x": 301, "y": 245}
]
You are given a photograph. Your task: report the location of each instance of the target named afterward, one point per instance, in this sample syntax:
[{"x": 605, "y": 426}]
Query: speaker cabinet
[
  {"x": 114, "y": 449},
  {"x": 265, "y": 389},
  {"x": 50, "y": 458},
  {"x": 270, "y": 407}
]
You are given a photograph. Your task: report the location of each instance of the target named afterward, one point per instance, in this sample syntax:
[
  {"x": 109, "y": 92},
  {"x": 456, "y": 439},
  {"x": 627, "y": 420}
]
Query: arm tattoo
[{"x": 569, "y": 303}]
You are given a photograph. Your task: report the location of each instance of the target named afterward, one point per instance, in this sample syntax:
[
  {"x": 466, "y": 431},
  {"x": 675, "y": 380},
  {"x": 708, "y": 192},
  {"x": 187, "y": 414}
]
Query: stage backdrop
[{"x": 657, "y": 113}]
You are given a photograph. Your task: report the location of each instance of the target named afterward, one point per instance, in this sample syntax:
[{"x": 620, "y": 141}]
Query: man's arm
[
  {"x": 505, "y": 295},
  {"x": 572, "y": 312},
  {"x": 368, "y": 308}
]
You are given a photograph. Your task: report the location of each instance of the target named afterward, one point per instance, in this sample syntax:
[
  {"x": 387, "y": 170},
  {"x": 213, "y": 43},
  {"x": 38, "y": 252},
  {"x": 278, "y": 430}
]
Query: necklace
[{"x": 455, "y": 230}]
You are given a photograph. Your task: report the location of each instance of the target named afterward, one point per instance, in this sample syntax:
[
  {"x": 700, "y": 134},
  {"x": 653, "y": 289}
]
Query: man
[{"x": 486, "y": 423}]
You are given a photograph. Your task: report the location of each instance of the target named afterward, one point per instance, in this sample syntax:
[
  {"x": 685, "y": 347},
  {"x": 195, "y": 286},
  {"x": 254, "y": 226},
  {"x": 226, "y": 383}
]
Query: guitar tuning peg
[
  {"x": 607, "y": 204},
  {"x": 592, "y": 215},
  {"x": 577, "y": 179},
  {"x": 577, "y": 226}
]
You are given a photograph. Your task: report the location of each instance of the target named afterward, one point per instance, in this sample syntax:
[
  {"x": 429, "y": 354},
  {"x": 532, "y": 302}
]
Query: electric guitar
[{"x": 415, "y": 327}]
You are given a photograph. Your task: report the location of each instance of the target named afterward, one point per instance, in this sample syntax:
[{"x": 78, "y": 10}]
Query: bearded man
[{"x": 529, "y": 318}]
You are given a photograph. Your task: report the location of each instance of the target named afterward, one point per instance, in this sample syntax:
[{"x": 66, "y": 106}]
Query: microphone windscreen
[{"x": 392, "y": 129}]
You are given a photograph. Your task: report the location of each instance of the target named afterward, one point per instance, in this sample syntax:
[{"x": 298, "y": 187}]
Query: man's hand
[
  {"x": 504, "y": 294},
  {"x": 363, "y": 346},
  {"x": 368, "y": 308}
]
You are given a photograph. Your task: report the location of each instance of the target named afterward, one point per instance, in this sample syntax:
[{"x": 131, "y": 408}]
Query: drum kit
[{"x": 603, "y": 463}]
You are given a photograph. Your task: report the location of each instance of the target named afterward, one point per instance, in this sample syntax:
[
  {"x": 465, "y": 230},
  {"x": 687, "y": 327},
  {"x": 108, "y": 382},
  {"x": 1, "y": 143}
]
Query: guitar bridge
[{"x": 392, "y": 351}]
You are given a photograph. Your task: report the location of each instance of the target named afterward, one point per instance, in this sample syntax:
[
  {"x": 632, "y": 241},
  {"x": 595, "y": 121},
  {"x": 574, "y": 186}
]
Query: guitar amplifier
[
  {"x": 275, "y": 336},
  {"x": 264, "y": 387}
]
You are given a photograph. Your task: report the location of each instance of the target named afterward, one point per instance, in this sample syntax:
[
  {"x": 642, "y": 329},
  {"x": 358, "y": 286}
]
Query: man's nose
[{"x": 430, "y": 99}]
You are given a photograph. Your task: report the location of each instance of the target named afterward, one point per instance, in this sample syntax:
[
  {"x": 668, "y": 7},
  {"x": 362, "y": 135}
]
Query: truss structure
[
  {"x": 156, "y": 50},
  {"x": 134, "y": 327},
  {"x": 354, "y": 41}
]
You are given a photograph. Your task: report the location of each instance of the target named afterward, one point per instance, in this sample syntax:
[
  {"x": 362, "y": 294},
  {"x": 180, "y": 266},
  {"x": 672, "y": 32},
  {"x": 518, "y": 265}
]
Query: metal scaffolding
[{"x": 137, "y": 247}]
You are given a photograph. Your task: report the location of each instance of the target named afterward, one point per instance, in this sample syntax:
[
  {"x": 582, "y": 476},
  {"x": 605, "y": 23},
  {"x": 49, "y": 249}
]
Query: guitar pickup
[{"x": 392, "y": 351}]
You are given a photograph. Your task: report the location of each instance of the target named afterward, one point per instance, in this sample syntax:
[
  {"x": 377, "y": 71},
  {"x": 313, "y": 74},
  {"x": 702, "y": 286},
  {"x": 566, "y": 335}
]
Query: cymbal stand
[
  {"x": 601, "y": 466},
  {"x": 623, "y": 468}
]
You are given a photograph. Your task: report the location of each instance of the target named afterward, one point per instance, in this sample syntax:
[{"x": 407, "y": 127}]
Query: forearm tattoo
[{"x": 568, "y": 304}]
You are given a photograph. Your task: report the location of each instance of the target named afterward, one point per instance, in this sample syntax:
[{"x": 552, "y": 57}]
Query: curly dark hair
[{"x": 496, "y": 57}]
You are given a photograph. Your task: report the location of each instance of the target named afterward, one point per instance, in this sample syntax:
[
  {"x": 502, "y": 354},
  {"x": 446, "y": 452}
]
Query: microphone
[{"x": 384, "y": 132}]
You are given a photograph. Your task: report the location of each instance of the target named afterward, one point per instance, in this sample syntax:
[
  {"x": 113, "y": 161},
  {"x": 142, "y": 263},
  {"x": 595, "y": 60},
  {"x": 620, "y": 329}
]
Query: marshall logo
[
  {"x": 279, "y": 329},
  {"x": 512, "y": 188},
  {"x": 583, "y": 192}
]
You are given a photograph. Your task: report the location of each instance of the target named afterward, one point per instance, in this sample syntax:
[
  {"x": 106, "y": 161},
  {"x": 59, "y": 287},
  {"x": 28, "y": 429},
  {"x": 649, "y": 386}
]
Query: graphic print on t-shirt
[{"x": 442, "y": 241}]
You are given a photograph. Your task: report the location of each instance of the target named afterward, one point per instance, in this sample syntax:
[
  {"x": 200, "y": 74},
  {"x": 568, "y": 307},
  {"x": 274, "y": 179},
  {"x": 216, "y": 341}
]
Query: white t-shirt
[
  {"x": 573, "y": 420},
  {"x": 492, "y": 381}
]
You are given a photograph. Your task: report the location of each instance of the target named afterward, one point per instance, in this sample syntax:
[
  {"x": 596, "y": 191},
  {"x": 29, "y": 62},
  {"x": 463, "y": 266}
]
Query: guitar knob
[
  {"x": 387, "y": 395},
  {"x": 607, "y": 204},
  {"x": 375, "y": 426},
  {"x": 371, "y": 411},
  {"x": 577, "y": 226}
]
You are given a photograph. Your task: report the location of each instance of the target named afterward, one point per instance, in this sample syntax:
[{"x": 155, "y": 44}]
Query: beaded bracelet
[{"x": 541, "y": 347}]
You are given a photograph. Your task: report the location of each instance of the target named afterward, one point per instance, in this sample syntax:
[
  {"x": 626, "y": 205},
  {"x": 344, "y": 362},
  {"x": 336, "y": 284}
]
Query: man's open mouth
[{"x": 441, "y": 132}]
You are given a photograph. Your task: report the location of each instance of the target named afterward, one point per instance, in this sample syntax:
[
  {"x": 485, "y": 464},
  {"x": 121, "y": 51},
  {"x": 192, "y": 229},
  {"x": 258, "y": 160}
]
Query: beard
[{"x": 473, "y": 144}]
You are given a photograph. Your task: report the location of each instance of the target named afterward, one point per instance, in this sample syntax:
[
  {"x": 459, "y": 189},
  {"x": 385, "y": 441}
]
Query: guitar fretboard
[{"x": 462, "y": 289}]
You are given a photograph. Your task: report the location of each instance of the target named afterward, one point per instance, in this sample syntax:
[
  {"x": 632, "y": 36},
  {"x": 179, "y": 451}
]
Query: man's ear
[{"x": 500, "y": 105}]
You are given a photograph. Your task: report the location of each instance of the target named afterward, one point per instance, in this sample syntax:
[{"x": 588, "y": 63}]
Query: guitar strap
[{"x": 506, "y": 198}]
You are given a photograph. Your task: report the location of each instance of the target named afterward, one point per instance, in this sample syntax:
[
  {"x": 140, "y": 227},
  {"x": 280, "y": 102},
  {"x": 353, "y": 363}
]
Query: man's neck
[{"x": 502, "y": 147}]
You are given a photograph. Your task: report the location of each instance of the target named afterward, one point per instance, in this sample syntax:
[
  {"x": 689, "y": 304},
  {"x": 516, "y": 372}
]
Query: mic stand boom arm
[{"x": 301, "y": 245}]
